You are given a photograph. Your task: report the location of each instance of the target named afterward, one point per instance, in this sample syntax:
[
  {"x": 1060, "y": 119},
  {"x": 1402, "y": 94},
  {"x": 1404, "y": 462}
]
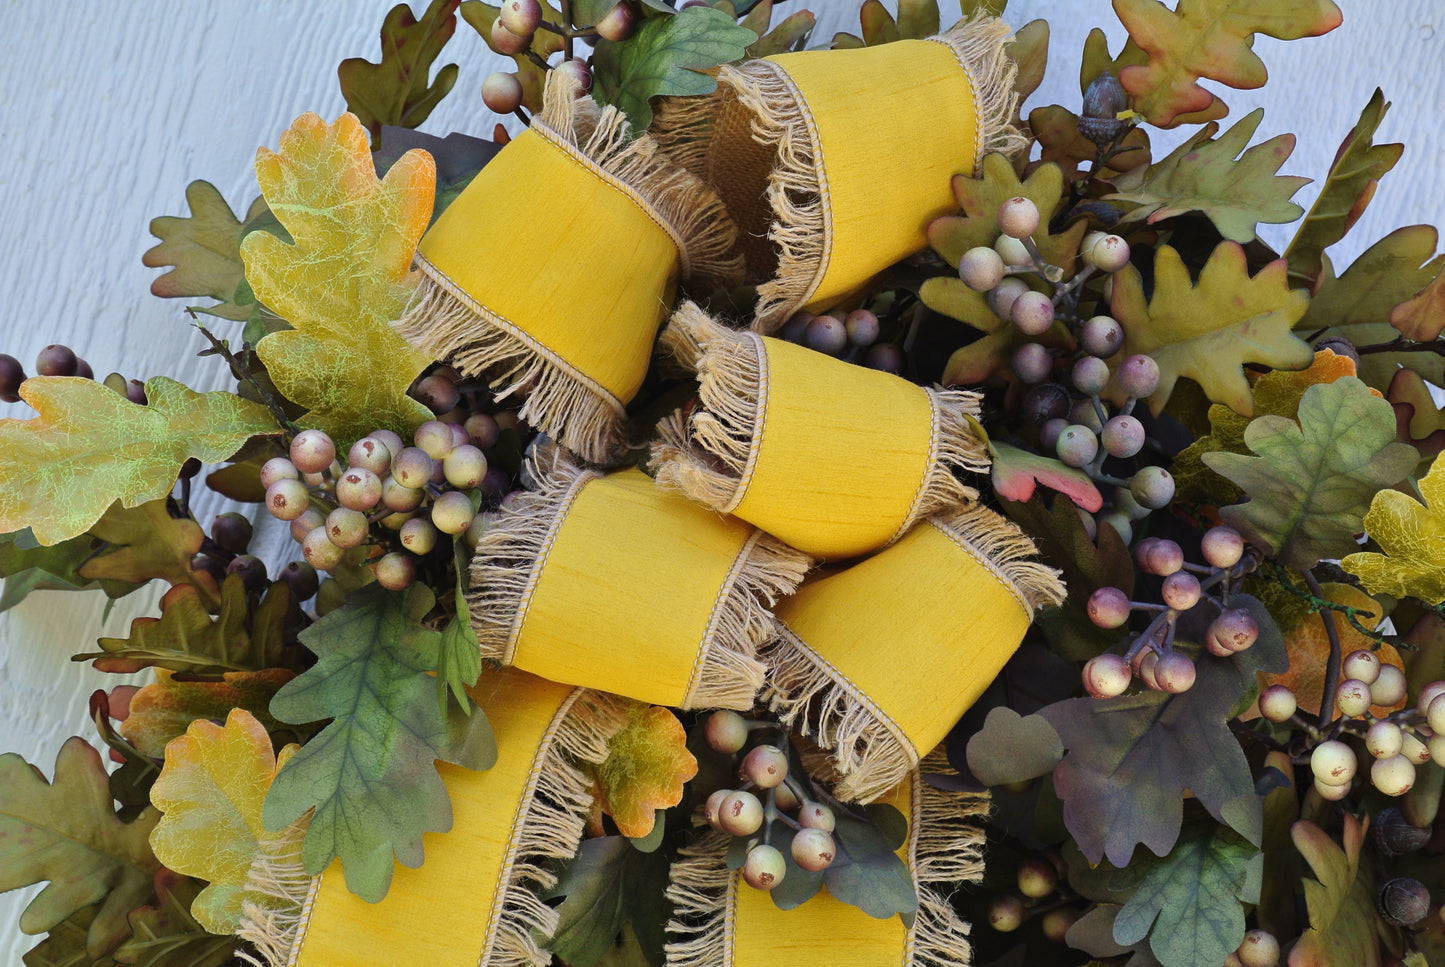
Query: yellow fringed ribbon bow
[
  {"x": 606, "y": 581},
  {"x": 833, "y": 162},
  {"x": 722, "y": 922},
  {"x": 779, "y": 439},
  {"x": 511, "y": 825},
  {"x": 877, "y": 662},
  {"x": 553, "y": 269}
]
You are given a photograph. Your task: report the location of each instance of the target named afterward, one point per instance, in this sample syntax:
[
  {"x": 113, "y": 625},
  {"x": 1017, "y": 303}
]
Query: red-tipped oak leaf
[
  {"x": 1203, "y": 175},
  {"x": 1208, "y": 39},
  {"x": 397, "y": 90}
]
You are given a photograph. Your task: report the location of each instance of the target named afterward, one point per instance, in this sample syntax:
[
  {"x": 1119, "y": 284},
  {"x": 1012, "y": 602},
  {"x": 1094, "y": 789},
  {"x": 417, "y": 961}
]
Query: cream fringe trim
[
  {"x": 708, "y": 454},
  {"x": 546, "y": 827},
  {"x": 944, "y": 849},
  {"x": 872, "y": 754},
  {"x": 802, "y": 229},
  {"x": 998, "y": 544},
  {"x": 277, "y": 897},
  {"x": 728, "y": 673},
  {"x": 511, "y": 556},
  {"x": 980, "y": 46},
  {"x": 702, "y": 890},
  {"x": 945, "y": 846},
  {"x": 446, "y": 322}
]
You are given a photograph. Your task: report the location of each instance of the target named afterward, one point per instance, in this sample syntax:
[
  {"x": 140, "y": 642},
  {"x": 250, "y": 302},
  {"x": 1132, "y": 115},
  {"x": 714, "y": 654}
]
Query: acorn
[
  {"x": 1105, "y": 98},
  {"x": 1395, "y": 835},
  {"x": 1403, "y": 901}
]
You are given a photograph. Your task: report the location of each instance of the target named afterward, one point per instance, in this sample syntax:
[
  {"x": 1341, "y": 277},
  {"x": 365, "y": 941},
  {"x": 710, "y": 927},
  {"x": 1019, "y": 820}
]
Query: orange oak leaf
[
  {"x": 164, "y": 709},
  {"x": 646, "y": 766},
  {"x": 346, "y": 278},
  {"x": 1309, "y": 650}
]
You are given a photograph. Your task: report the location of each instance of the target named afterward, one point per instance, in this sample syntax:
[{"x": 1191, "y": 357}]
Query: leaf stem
[{"x": 567, "y": 22}]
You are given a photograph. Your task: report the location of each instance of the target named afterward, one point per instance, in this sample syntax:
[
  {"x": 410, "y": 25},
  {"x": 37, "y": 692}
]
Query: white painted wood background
[{"x": 111, "y": 109}]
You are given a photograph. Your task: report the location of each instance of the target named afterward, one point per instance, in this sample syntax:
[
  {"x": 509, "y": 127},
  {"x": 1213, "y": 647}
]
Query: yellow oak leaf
[
  {"x": 89, "y": 447},
  {"x": 1308, "y": 645},
  {"x": 1211, "y": 329},
  {"x": 646, "y": 766},
  {"x": 210, "y": 792},
  {"x": 1412, "y": 537},
  {"x": 346, "y": 278}
]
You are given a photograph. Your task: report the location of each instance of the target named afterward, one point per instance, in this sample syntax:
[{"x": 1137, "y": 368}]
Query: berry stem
[
  {"x": 523, "y": 115},
  {"x": 566, "y": 6},
  {"x": 243, "y": 372},
  {"x": 550, "y": 27},
  {"x": 1332, "y": 669}
]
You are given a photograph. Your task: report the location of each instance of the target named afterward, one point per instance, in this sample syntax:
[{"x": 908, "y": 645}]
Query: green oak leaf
[
  {"x": 460, "y": 662},
  {"x": 139, "y": 544},
  {"x": 867, "y": 872},
  {"x": 1195, "y": 896},
  {"x": 165, "y": 934},
  {"x": 1130, "y": 759},
  {"x": 370, "y": 774},
  {"x": 1310, "y": 483},
  {"x": 203, "y": 253},
  {"x": 186, "y": 639},
  {"x": 64, "y": 946},
  {"x": 1087, "y": 565},
  {"x": 1208, "y": 38},
  {"x": 1208, "y": 331},
  {"x": 666, "y": 56},
  {"x": 1204, "y": 176},
  {"x": 1357, "y": 304},
  {"x": 1012, "y": 747},
  {"x": 88, "y": 447},
  {"x": 26, "y": 566},
  {"x": 397, "y": 91},
  {"x": 610, "y": 883},
  {"x": 789, "y": 33},
  {"x": 1341, "y": 899},
  {"x": 65, "y": 831},
  {"x": 1357, "y": 169}
]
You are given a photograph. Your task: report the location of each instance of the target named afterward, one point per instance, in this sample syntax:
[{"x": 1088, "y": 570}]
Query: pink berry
[
  {"x": 1108, "y": 607},
  {"x": 1106, "y": 675}
]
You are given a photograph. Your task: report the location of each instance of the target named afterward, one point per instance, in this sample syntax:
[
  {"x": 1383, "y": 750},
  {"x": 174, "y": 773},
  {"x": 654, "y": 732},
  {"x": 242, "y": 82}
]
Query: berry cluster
[
  {"x": 514, "y": 29},
  {"x": 1151, "y": 655},
  {"x": 852, "y": 337},
  {"x": 416, "y": 493},
  {"x": 770, "y": 803},
  {"x": 1073, "y": 420},
  {"x": 56, "y": 360},
  {"x": 1397, "y": 742}
]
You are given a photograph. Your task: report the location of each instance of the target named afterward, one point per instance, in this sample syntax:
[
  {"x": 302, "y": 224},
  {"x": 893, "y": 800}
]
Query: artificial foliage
[{"x": 1111, "y": 628}]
